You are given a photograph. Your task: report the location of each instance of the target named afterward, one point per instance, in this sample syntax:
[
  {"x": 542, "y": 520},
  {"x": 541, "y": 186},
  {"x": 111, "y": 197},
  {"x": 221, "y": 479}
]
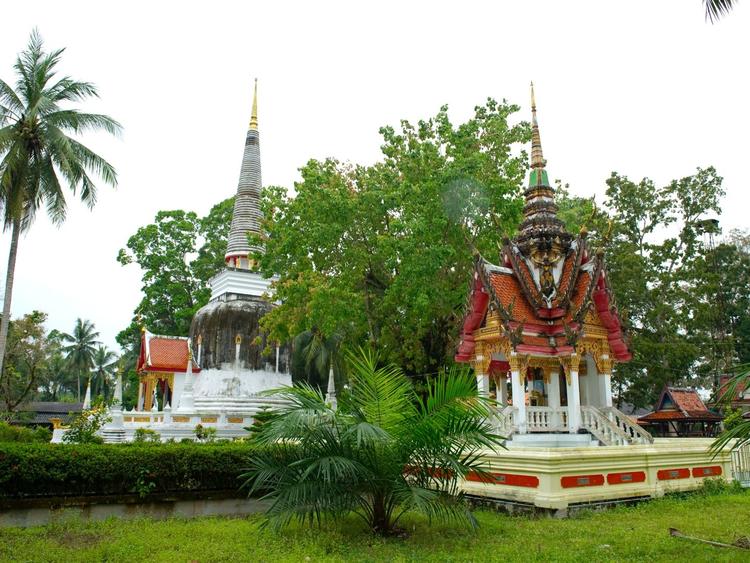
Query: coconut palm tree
[
  {"x": 81, "y": 351},
  {"x": 37, "y": 155},
  {"x": 385, "y": 451},
  {"x": 105, "y": 361},
  {"x": 717, "y": 8}
]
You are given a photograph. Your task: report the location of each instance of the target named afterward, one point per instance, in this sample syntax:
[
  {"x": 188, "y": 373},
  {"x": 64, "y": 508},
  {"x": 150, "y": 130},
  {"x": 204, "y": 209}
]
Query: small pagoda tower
[
  {"x": 225, "y": 333},
  {"x": 544, "y": 320}
]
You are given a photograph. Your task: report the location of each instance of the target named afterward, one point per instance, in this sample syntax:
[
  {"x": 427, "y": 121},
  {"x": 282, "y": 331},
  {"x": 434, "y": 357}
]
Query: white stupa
[{"x": 216, "y": 377}]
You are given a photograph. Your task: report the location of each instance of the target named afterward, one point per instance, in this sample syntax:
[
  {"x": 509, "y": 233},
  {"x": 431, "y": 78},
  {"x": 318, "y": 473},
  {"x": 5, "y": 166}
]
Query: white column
[
  {"x": 185, "y": 403},
  {"x": 519, "y": 400},
  {"x": 483, "y": 384},
  {"x": 502, "y": 390},
  {"x": 553, "y": 396},
  {"x": 331, "y": 395},
  {"x": 574, "y": 402},
  {"x": 605, "y": 381},
  {"x": 117, "y": 403},
  {"x": 87, "y": 397},
  {"x": 139, "y": 404}
]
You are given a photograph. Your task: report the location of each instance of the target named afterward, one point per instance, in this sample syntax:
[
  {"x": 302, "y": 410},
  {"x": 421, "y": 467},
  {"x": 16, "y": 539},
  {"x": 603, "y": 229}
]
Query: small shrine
[
  {"x": 542, "y": 328},
  {"x": 681, "y": 413}
]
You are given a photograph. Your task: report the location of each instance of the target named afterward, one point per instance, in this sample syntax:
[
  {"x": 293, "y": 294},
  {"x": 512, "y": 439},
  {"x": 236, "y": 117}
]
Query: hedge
[{"x": 39, "y": 470}]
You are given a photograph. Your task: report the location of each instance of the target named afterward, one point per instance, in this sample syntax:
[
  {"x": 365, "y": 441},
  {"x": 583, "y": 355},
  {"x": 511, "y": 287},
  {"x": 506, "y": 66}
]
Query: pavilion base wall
[{"x": 558, "y": 478}]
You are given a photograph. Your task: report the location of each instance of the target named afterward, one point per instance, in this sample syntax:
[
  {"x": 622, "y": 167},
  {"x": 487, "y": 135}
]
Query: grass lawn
[{"x": 638, "y": 533}]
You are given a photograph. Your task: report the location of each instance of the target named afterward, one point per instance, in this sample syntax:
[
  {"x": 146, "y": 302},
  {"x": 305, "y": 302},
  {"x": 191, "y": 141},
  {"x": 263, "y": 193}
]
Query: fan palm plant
[
  {"x": 38, "y": 155},
  {"x": 384, "y": 452},
  {"x": 82, "y": 349}
]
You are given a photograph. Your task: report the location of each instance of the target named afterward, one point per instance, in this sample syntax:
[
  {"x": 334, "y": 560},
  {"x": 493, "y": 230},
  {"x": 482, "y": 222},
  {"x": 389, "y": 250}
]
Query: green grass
[{"x": 638, "y": 533}]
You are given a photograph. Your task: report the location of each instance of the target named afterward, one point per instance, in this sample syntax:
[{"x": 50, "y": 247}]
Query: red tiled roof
[
  {"x": 509, "y": 291},
  {"x": 687, "y": 406},
  {"x": 565, "y": 278},
  {"x": 163, "y": 353}
]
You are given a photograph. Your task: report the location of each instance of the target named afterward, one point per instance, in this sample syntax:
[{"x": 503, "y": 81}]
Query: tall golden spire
[
  {"x": 254, "y": 114},
  {"x": 537, "y": 158}
]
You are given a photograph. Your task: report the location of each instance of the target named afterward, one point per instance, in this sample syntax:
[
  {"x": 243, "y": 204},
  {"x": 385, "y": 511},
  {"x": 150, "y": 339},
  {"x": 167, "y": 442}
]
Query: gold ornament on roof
[{"x": 254, "y": 114}]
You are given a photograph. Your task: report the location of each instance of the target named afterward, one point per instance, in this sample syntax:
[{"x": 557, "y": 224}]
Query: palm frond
[{"x": 717, "y": 8}]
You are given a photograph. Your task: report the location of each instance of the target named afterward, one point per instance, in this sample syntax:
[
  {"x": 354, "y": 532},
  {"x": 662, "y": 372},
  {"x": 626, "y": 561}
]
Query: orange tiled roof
[
  {"x": 509, "y": 291},
  {"x": 565, "y": 277},
  {"x": 686, "y": 404},
  {"x": 164, "y": 353}
]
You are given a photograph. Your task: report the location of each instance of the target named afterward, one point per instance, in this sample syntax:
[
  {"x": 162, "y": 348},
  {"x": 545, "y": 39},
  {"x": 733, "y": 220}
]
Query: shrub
[
  {"x": 205, "y": 433},
  {"x": 10, "y": 433},
  {"x": 146, "y": 435},
  {"x": 37, "y": 470},
  {"x": 84, "y": 427}
]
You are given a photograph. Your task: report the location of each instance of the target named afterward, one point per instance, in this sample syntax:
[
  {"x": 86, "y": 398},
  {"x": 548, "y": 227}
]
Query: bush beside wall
[{"x": 39, "y": 470}]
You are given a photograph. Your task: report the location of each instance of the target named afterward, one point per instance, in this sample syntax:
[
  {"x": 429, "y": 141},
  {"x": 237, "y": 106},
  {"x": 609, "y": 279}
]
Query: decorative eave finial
[
  {"x": 537, "y": 158},
  {"x": 254, "y": 114}
]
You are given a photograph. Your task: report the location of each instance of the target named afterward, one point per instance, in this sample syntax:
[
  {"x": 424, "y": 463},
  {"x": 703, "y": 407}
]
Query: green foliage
[
  {"x": 732, "y": 418},
  {"x": 382, "y": 254},
  {"x": 178, "y": 254},
  {"x": 11, "y": 433},
  {"x": 383, "y": 453},
  {"x": 29, "y": 470},
  {"x": 25, "y": 360},
  {"x": 204, "y": 433},
  {"x": 84, "y": 427},
  {"x": 738, "y": 434},
  {"x": 146, "y": 435}
]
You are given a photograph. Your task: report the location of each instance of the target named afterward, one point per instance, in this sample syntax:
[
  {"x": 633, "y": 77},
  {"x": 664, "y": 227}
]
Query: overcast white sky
[{"x": 642, "y": 87}]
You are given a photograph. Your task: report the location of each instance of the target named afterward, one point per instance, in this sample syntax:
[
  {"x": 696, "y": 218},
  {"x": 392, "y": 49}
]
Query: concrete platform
[
  {"x": 561, "y": 440},
  {"x": 561, "y": 477}
]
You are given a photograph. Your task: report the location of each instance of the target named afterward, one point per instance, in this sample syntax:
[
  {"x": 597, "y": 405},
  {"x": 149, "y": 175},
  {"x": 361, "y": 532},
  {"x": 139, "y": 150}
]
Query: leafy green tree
[
  {"x": 178, "y": 254},
  {"x": 382, "y": 254},
  {"x": 654, "y": 255},
  {"x": 385, "y": 451},
  {"x": 81, "y": 350},
  {"x": 105, "y": 362},
  {"x": 26, "y": 356},
  {"x": 38, "y": 155}
]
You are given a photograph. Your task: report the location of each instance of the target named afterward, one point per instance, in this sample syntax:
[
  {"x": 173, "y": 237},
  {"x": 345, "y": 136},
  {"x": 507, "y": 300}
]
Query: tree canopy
[{"x": 383, "y": 253}]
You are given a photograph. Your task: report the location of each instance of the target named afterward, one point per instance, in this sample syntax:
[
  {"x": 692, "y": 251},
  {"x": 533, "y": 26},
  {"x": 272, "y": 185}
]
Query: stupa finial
[
  {"x": 254, "y": 114},
  {"x": 537, "y": 158}
]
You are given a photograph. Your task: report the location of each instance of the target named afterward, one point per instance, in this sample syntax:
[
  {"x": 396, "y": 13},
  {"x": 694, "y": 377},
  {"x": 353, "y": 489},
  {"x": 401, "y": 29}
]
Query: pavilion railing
[
  {"x": 503, "y": 420},
  {"x": 635, "y": 434},
  {"x": 546, "y": 419},
  {"x": 602, "y": 428}
]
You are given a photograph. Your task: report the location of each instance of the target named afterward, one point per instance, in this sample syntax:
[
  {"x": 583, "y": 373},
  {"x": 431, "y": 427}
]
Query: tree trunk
[
  {"x": 5, "y": 321},
  {"x": 380, "y": 523}
]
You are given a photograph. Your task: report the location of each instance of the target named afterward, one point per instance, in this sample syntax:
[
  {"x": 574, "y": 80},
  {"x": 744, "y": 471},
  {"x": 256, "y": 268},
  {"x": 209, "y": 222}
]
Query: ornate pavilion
[
  {"x": 544, "y": 319},
  {"x": 542, "y": 332}
]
